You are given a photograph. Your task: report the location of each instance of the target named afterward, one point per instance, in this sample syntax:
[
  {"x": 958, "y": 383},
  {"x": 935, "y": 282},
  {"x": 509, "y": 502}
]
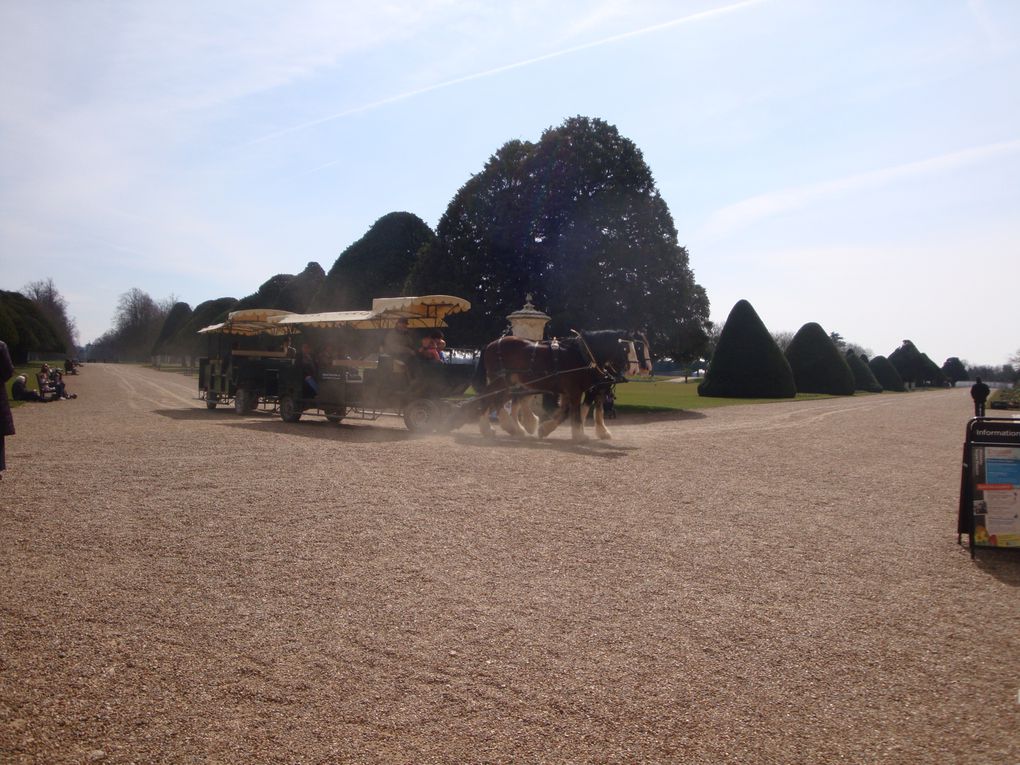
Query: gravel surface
[{"x": 776, "y": 583}]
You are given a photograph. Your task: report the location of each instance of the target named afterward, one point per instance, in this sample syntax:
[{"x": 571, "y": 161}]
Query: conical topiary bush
[
  {"x": 864, "y": 378},
  {"x": 747, "y": 363},
  {"x": 886, "y": 374},
  {"x": 377, "y": 265},
  {"x": 817, "y": 364}
]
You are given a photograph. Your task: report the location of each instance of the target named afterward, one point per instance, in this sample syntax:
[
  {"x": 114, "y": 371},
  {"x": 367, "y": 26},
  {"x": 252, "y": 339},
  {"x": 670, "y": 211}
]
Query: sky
[{"x": 852, "y": 164}]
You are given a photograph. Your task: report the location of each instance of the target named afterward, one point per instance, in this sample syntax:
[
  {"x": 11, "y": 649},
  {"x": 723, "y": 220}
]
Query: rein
[
  {"x": 503, "y": 371},
  {"x": 521, "y": 390},
  {"x": 608, "y": 370}
]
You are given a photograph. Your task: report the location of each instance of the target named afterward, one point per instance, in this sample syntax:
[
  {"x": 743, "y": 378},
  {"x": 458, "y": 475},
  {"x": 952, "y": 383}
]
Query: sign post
[{"x": 990, "y": 484}]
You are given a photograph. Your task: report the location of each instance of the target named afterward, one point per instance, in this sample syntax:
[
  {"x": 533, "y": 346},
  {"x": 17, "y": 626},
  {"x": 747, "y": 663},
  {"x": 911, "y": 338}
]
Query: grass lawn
[
  {"x": 30, "y": 370},
  {"x": 652, "y": 395},
  {"x": 1005, "y": 398}
]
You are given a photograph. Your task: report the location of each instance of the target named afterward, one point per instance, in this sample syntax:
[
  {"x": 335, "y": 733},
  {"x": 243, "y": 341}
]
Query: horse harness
[{"x": 554, "y": 346}]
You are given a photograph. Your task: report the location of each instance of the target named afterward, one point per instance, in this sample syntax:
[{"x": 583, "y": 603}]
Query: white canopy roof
[
  {"x": 255, "y": 321},
  {"x": 422, "y": 312}
]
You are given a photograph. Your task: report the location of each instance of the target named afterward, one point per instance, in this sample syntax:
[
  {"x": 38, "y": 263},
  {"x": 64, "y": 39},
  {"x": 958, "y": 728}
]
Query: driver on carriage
[
  {"x": 398, "y": 342},
  {"x": 401, "y": 346}
]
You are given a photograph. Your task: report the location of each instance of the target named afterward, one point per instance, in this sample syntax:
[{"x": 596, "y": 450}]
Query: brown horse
[{"x": 512, "y": 367}]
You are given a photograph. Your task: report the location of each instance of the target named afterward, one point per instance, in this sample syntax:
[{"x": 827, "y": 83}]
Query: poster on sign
[{"x": 997, "y": 497}]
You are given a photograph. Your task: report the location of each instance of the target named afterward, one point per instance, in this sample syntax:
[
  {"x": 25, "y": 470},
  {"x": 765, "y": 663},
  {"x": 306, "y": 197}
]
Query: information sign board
[{"x": 990, "y": 485}]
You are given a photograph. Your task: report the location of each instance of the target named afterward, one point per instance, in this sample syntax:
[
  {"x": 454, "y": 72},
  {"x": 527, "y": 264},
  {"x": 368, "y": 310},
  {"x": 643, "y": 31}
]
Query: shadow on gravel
[
  {"x": 196, "y": 413},
  {"x": 328, "y": 431},
  {"x": 592, "y": 447},
  {"x": 637, "y": 418},
  {"x": 266, "y": 422},
  {"x": 1004, "y": 565}
]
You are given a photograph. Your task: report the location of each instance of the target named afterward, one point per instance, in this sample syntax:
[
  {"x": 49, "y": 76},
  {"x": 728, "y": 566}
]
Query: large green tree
[
  {"x": 577, "y": 221},
  {"x": 377, "y": 265},
  {"x": 747, "y": 363}
]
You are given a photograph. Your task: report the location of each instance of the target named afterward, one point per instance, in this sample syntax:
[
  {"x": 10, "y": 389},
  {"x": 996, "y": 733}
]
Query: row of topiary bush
[{"x": 748, "y": 363}]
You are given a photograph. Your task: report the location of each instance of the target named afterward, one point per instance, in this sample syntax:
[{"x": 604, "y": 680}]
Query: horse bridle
[{"x": 609, "y": 370}]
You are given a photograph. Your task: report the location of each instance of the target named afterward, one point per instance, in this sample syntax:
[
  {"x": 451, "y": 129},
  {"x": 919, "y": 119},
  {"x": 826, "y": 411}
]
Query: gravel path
[{"x": 755, "y": 584}]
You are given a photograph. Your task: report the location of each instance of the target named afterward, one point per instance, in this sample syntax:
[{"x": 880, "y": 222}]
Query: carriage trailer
[{"x": 248, "y": 367}]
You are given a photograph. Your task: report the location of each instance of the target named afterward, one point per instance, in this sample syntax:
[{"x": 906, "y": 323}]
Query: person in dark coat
[
  {"x": 6, "y": 419},
  {"x": 21, "y": 392},
  {"x": 309, "y": 370},
  {"x": 979, "y": 392}
]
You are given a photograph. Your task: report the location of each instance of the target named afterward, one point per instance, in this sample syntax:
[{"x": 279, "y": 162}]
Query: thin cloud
[
  {"x": 694, "y": 17},
  {"x": 755, "y": 209}
]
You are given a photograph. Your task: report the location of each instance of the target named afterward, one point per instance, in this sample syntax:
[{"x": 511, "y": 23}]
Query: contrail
[
  {"x": 510, "y": 67},
  {"x": 782, "y": 201}
]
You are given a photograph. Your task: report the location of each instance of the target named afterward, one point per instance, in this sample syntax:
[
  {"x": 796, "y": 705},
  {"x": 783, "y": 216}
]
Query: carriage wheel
[
  {"x": 289, "y": 409},
  {"x": 422, "y": 415}
]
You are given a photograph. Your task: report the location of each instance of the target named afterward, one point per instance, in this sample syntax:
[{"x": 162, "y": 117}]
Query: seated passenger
[
  {"x": 398, "y": 342},
  {"x": 428, "y": 351},
  {"x": 440, "y": 342},
  {"x": 42, "y": 378},
  {"x": 21, "y": 392},
  {"x": 327, "y": 356},
  {"x": 56, "y": 381}
]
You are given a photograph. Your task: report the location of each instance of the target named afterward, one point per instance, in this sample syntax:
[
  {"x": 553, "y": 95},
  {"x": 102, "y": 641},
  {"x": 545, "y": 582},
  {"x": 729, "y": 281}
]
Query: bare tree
[
  {"x": 137, "y": 322},
  {"x": 783, "y": 339},
  {"x": 47, "y": 298}
]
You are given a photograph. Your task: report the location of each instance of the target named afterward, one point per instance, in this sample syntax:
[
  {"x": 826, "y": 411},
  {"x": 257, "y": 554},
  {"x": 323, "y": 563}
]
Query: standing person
[
  {"x": 979, "y": 392},
  {"x": 288, "y": 350},
  {"x": 6, "y": 419},
  {"x": 309, "y": 369}
]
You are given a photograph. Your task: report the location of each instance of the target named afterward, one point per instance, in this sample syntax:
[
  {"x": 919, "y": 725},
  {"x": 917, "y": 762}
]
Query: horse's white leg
[
  {"x": 509, "y": 421},
  {"x": 528, "y": 419},
  {"x": 504, "y": 419},
  {"x": 484, "y": 423},
  {"x": 576, "y": 423},
  {"x": 600, "y": 422}
]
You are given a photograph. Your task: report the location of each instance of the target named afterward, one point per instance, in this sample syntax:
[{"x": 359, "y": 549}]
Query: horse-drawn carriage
[
  {"x": 335, "y": 364},
  {"x": 354, "y": 375}
]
